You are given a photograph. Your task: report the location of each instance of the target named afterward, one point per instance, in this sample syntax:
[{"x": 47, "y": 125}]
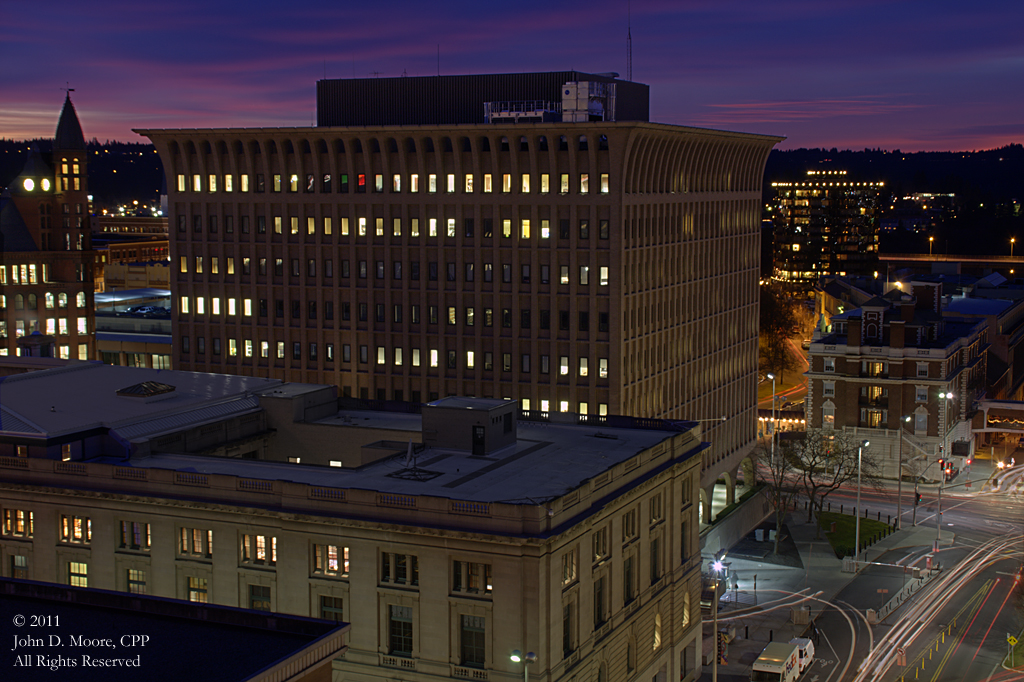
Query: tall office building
[
  {"x": 825, "y": 225},
  {"x": 45, "y": 249},
  {"x": 531, "y": 237}
]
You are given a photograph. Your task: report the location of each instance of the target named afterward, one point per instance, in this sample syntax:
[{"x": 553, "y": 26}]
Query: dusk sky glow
[{"x": 937, "y": 75}]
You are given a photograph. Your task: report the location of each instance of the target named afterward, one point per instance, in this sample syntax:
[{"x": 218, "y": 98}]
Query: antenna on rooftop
[{"x": 629, "y": 40}]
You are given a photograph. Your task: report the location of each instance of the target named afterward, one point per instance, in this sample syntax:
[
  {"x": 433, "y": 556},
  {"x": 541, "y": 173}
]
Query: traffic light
[
  {"x": 942, "y": 462},
  {"x": 968, "y": 461},
  {"x": 917, "y": 499}
]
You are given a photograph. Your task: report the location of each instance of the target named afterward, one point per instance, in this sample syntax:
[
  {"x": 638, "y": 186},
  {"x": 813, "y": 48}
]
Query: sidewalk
[{"x": 814, "y": 567}]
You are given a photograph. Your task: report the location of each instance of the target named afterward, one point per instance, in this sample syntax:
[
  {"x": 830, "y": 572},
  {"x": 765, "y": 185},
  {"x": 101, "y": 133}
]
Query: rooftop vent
[{"x": 148, "y": 391}]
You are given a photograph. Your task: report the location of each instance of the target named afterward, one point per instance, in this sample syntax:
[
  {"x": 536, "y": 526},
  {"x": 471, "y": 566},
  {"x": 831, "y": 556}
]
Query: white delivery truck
[
  {"x": 777, "y": 663},
  {"x": 806, "y": 652}
]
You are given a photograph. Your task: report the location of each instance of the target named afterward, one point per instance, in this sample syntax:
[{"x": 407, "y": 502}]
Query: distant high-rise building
[
  {"x": 825, "y": 225},
  {"x": 46, "y": 282},
  {"x": 531, "y": 237}
]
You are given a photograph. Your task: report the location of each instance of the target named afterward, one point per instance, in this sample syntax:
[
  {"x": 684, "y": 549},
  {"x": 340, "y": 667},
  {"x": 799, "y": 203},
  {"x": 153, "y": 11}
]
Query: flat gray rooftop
[
  {"x": 82, "y": 396},
  {"x": 548, "y": 461}
]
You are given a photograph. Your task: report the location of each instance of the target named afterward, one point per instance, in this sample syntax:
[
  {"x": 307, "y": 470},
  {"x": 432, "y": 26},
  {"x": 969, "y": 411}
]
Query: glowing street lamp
[
  {"x": 526, "y": 659},
  {"x": 930, "y": 241}
]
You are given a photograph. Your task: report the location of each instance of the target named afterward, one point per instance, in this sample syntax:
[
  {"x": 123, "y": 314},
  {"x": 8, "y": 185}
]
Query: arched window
[
  {"x": 657, "y": 632},
  {"x": 524, "y": 146},
  {"x": 19, "y": 302},
  {"x": 80, "y": 299},
  {"x": 48, "y": 297},
  {"x": 32, "y": 302},
  {"x": 62, "y": 300},
  {"x": 583, "y": 143},
  {"x": 828, "y": 415}
]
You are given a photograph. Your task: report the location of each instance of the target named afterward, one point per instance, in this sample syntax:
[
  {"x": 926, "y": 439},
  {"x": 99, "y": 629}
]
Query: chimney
[
  {"x": 897, "y": 334},
  {"x": 854, "y": 337}
]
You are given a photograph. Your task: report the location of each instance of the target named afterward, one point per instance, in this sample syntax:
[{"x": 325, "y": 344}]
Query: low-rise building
[{"x": 448, "y": 538}]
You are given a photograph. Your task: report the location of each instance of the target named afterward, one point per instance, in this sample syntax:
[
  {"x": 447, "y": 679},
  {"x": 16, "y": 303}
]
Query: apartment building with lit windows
[
  {"x": 554, "y": 248},
  {"x": 447, "y": 534},
  {"x": 824, "y": 225},
  {"x": 45, "y": 248}
]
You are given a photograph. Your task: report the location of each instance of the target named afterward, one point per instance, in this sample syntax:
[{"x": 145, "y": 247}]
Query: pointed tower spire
[{"x": 69, "y": 130}]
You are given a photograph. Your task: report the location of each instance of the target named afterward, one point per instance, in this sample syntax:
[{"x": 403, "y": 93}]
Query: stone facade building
[{"x": 447, "y": 539}]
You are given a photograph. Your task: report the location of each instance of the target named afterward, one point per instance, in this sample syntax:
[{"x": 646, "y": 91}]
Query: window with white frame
[
  {"x": 922, "y": 369},
  {"x": 828, "y": 415},
  {"x": 921, "y": 394},
  {"x": 829, "y": 364},
  {"x": 828, "y": 389}
]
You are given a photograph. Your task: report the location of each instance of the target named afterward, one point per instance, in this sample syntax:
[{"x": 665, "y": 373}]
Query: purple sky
[{"x": 916, "y": 75}]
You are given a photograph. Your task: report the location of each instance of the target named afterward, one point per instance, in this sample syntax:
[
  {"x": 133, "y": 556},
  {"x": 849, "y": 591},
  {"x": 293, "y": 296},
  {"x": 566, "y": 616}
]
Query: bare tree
[
  {"x": 828, "y": 460},
  {"x": 777, "y": 323},
  {"x": 782, "y": 480}
]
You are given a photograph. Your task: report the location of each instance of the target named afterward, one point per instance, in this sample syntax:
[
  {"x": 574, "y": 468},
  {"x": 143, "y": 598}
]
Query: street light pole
[
  {"x": 856, "y": 552},
  {"x": 899, "y": 478},
  {"x": 716, "y": 566},
  {"x": 946, "y": 397},
  {"x": 772, "y": 377},
  {"x": 930, "y": 241},
  {"x": 1012, "y": 240}
]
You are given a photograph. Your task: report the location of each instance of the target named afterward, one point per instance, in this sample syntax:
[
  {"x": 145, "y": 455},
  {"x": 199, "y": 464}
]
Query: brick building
[{"x": 893, "y": 357}]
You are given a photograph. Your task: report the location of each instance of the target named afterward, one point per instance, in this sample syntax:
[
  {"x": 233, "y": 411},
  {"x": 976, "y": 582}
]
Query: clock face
[
  {"x": 45, "y": 184},
  {"x": 29, "y": 184}
]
